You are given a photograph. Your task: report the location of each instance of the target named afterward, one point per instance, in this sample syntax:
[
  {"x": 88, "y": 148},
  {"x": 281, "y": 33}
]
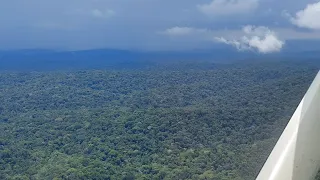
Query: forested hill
[{"x": 180, "y": 120}]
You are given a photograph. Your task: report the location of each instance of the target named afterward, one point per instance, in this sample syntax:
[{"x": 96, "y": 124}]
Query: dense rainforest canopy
[{"x": 185, "y": 120}]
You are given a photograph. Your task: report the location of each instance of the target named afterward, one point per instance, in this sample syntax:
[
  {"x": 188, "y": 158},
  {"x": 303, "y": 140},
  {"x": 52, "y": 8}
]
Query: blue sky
[{"x": 259, "y": 25}]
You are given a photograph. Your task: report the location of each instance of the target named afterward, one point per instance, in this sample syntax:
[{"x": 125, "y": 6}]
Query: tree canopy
[{"x": 174, "y": 121}]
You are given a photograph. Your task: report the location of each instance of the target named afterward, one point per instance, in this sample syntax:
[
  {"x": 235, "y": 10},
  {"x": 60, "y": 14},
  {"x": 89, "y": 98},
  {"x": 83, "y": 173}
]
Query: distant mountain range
[
  {"x": 39, "y": 59},
  {"x": 100, "y": 58}
]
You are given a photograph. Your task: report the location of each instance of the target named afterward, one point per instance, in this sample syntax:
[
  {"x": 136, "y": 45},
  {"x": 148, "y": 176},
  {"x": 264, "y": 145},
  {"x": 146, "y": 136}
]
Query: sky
[{"x": 263, "y": 26}]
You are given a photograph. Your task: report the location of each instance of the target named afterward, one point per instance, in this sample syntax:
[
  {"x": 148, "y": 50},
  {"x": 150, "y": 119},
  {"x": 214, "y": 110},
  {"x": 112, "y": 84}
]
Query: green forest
[{"x": 173, "y": 121}]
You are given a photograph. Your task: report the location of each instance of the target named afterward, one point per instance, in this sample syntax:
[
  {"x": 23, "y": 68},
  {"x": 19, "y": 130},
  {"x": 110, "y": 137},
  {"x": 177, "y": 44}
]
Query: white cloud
[
  {"x": 102, "y": 14},
  {"x": 182, "y": 31},
  {"x": 228, "y": 7},
  {"x": 308, "y": 17},
  {"x": 259, "y": 38}
]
